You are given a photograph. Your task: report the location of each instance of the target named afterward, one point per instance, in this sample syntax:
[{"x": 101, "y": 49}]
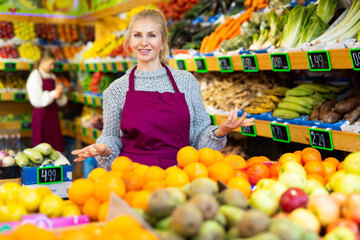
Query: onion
[
  {"x": 3, "y": 154},
  {"x": 8, "y": 161}
]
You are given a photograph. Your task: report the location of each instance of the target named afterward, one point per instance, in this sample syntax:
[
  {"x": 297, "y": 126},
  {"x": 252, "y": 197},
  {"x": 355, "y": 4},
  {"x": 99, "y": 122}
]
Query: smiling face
[{"x": 146, "y": 41}]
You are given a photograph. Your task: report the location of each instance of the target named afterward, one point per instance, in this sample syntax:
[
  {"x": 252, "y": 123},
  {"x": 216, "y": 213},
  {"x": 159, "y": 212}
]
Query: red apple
[
  {"x": 339, "y": 198},
  {"x": 343, "y": 223},
  {"x": 293, "y": 198},
  {"x": 325, "y": 208},
  {"x": 351, "y": 208}
]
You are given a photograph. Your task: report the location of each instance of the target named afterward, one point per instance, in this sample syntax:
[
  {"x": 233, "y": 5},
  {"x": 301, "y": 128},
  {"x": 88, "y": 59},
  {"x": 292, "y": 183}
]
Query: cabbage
[{"x": 326, "y": 9}]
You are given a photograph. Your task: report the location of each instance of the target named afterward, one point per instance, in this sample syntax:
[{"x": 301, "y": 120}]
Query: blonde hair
[
  {"x": 157, "y": 17},
  {"x": 46, "y": 54}
]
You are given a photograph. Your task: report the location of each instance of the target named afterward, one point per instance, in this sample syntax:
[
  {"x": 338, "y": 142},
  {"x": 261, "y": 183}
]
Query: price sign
[
  {"x": 10, "y": 66},
  {"x": 67, "y": 124},
  {"x": 104, "y": 67},
  {"x": 101, "y": 101},
  {"x": 25, "y": 125},
  {"x": 280, "y": 132},
  {"x": 47, "y": 175},
  {"x": 280, "y": 62},
  {"x": 95, "y": 67},
  {"x": 225, "y": 64},
  {"x": 85, "y": 100},
  {"x": 201, "y": 65},
  {"x": 74, "y": 127},
  {"x": 58, "y": 67},
  {"x": 319, "y": 60},
  {"x": 75, "y": 97},
  {"x": 0, "y": 97},
  {"x": 77, "y": 67},
  {"x": 125, "y": 66},
  {"x": 321, "y": 138},
  {"x": 95, "y": 134},
  {"x": 181, "y": 64},
  {"x": 19, "y": 97},
  {"x": 355, "y": 58},
  {"x": 83, "y": 131},
  {"x": 93, "y": 100},
  {"x": 87, "y": 67},
  {"x": 249, "y": 131},
  {"x": 31, "y": 66},
  {"x": 249, "y": 63},
  {"x": 212, "y": 119},
  {"x": 113, "y": 67}
]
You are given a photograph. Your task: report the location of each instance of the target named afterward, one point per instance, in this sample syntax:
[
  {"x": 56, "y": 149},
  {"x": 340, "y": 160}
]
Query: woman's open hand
[
  {"x": 232, "y": 122},
  {"x": 91, "y": 151}
]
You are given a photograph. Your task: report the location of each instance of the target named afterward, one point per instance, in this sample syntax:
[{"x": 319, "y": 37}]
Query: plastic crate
[{"x": 9, "y": 172}]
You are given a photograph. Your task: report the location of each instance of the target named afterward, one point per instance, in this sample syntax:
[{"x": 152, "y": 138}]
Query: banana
[
  {"x": 279, "y": 91},
  {"x": 54, "y": 155},
  {"x": 297, "y": 100},
  {"x": 261, "y": 100},
  {"x": 315, "y": 87},
  {"x": 33, "y": 155},
  {"x": 298, "y": 92},
  {"x": 264, "y": 105},
  {"x": 273, "y": 98},
  {"x": 333, "y": 89},
  {"x": 309, "y": 100},
  {"x": 43, "y": 148},
  {"x": 317, "y": 96},
  {"x": 329, "y": 96},
  {"x": 284, "y": 113},
  {"x": 294, "y": 107},
  {"x": 256, "y": 110}
]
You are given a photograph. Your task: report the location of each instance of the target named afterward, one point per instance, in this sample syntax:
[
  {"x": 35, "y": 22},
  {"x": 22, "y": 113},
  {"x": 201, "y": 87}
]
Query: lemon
[
  {"x": 29, "y": 198},
  {"x": 11, "y": 212},
  {"x": 70, "y": 210},
  {"x": 52, "y": 206},
  {"x": 9, "y": 192},
  {"x": 43, "y": 191}
]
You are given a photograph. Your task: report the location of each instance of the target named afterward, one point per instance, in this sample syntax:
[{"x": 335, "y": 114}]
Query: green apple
[
  {"x": 333, "y": 179},
  {"x": 348, "y": 183},
  {"x": 340, "y": 233},
  {"x": 319, "y": 191},
  {"x": 264, "y": 201},
  {"x": 292, "y": 179},
  {"x": 311, "y": 185},
  {"x": 352, "y": 163},
  {"x": 277, "y": 189},
  {"x": 305, "y": 219},
  {"x": 264, "y": 183},
  {"x": 292, "y": 167}
]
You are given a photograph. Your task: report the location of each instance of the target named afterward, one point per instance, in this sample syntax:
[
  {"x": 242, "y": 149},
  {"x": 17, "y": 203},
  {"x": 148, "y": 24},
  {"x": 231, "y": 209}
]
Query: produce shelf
[
  {"x": 13, "y": 97},
  {"x": 86, "y": 99}
]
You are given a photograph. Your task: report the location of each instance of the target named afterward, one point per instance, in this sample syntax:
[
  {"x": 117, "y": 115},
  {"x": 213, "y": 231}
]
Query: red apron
[
  {"x": 45, "y": 121},
  {"x": 155, "y": 125}
]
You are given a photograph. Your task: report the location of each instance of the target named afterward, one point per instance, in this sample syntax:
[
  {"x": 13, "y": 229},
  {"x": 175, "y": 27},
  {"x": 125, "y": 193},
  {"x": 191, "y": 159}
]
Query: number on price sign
[
  {"x": 125, "y": 66},
  {"x": 58, "y": 67},
  {"x": 83, "y": 131},
  {"x": 47, "y": 175},
  {"x": 249, "y": 131},
  {"x": 95, "y": 67},
  {"x": 321, "y": 138},
  {"x": 280, "y": 62},
  {"x": 25, "y": 125},
  {"x": 19, "y": 97},
  {"x": 280, "y": 132},
  {"x": 104, "y": 67},
  {"x": 10, "y": 66},
  {"x": 249, "y": 63},
  {"x": 181, "y": 64},
  {"x": 355, "y": 58},
  {"x": 201, "y": 65},
  {"x": 225, "y": 64},
  {"x": 113, "y": 67},
  {"x": 87, "y": 67},
  {"x": 319, "y": 60}
]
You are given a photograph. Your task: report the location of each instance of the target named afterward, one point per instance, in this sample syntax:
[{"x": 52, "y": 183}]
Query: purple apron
[
  {"x": 155, "y": 125},
  {"x": 45, "y": 121}
]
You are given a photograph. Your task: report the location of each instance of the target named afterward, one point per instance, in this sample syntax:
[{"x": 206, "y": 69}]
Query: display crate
[{"x": 9, "y": 172}]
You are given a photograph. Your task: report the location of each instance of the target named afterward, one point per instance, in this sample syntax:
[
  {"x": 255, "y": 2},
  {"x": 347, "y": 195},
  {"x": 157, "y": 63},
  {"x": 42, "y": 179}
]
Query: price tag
[
  {"x": 95, "y": 67},
  {"x": 74, "y": 127},
  {"x": 85, "y": 100},
  {"x": 181, "y": 64},
  {"x": 321, "y": 138},
  {"x": 25, "y": 125},
  {"x": 319, "y": 60},
  {"x": 113, "y": 67},
  {"x": 10, "y": 66},
  {"x": 249, "y": 131},
  {"x": 75, "y": 97},
  {"x": 355, "y": 58},
  {"x": 58, "y": 67},
  {"x": 95, "y": 134},
  {"x": 201, "y": 65},
  {"x": 280, "y": 62},
  {"x": 101, "y": 101},
  {"x": 31, "y": 66},
  {"x": 280, "y": 132},
  {"x": 225, "y": 64},
  {"x": 0, "y": 97},
  {"x": 249, "y": 63},
  {"x": 125, "y": 66},
  {"x": 19, "y": 97},
  {"x": 87, "y": 66},
  {"x": 212, "y": 119},
  {"x": 46, "y": 175},
  {"x": 83, "y": 131},
  {"x": 93, "y": 100},
  {"x": 104, "y": 67},
  {"x": 77, "y": 67}
]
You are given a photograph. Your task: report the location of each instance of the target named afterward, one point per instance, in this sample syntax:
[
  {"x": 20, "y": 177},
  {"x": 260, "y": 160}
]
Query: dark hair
[{"x": 45, "y": 55}]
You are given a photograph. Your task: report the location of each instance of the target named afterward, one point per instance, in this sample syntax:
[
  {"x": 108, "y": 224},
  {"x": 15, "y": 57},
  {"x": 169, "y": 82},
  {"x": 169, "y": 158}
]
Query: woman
[
  {"x": 154, "y": 110},
  {"x": 46, "y": 96}
]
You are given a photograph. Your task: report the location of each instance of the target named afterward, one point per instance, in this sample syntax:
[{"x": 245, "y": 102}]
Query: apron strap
[{"x": 132, "y": 79}]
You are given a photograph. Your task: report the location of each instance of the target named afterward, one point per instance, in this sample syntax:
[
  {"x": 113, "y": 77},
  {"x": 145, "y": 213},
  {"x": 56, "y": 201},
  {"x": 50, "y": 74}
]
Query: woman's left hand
[{"x": 233, "y": 122}]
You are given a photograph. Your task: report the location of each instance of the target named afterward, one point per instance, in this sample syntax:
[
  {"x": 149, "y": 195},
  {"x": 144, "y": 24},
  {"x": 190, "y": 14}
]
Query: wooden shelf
[
  {"x": 86, "y": 99},
  {"x": 20, "y": 96},
  {"x": 4, "y": 17}
]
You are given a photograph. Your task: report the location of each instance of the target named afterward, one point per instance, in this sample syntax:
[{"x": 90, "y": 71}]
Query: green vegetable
[
  {"x": 250, "y": 28},
  {"x": 358, "y": 37},
  {"x": 326, "y": 9},
  {"x": 192, "y": 45},
  {"x": 279, "y": 3},
  {"x": 276, "y": 25},
  {"x": 314, "y": 28},
  {"x": 236, "y": 43}
]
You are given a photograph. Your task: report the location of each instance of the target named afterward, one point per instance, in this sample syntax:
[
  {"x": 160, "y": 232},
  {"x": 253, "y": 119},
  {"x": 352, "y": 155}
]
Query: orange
[
  {"x": 298, "y": 155},
  {"x": 133, "y": 181},
  {"x": 92, "y": 229},
  {"x": 30, "y": 231},
  {"x": 340, "y": 166},
  {"x": 219, "y": 156},
  {"x": 187, "y": 155},
  {"x": 221, "y": 171},
  {"x": 241, "y": 173},
  {"x": 140, "y": 170},
  {"x": 256, "y": 172},
  {"x": 317, "y": 178},
  {"x": 257, "y": 159},
  {"x": 43, "y": 191},
  {"x": 91, "y": 208},
  {"x": 141, "y": 234},
  {"x": 117, "y": 174},
  {"x": 95, "y": 174},
  {"x": 135, "y": 165},
  {"x": 196, "y": 170},
  {"x": 310, "y": 154},
  {"x": 122, "y": 164},
  {"x": 315, "y": 167},
  {"x": 103, "y": 211},
  {"x": 110, "y": 236},
  {"x": 207, "y": 156},
  {"x": 332, "y": 160},
  {"x": 154, "y": 173},
  {"x": 140, "y": 200},
  {"x": 75, "y": 234},
  {"x": 177, "y": 178},
  {"x": 154, "y": 185},
  {"x": 235, "y": 161},
  {"x": 275, "y": 169},
  {"x": 289, "y": 157},
  {"x": 171, "y": 169},
  {"x": 327, "y": 177},
  {"x": 122, "y": 224},
  {"x": 129, "y": 196},
  {"x": 109, "y": 183},
  {"x": 81, "y": 190},
  {"x": 241, "y": 184},
  {"x": 329, "y": 168}
]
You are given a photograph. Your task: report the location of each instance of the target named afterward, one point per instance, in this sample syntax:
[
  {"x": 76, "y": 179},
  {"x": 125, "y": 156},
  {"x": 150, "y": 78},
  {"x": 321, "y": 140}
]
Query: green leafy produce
[
  {"x": 276, "y": 25},
  {"x": 314, "y": 28},
  {"x": 264, "y": 34},
  {"x": 236, "y": 43},
  {"x": 279, "y": 3},
  {"x": 326, "y": 9}
]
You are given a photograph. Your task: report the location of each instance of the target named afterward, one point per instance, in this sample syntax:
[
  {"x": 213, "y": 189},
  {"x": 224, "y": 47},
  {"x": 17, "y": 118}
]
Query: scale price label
[
  {"x": 181, "y": 64},
  {"x": 87, "y": 67},
  {"x": 249, "y": 63},
  {"x": 58, "y": 67},
  {"x": 95, "y": 134},
  {"x": 113, "y": 67},
  {"x": 125, "y": 66},
  {"x": 319, "y": 60},
  {"x": 355, "y": 58},
  {"x": 249, "y": 131},
  {"x": 47, "y": 175},
  {"x": 280, "y": 62},
  {"x": 225, "y": 64},
  {"x": 104, "y": 67},
  {"x": 95, "y": 67},
  {"x": 25, "y": 125},
  {"x": 93, "y": 100},
  {"x": 19, "y": 97},
  {"x": 321, "y": 138},
  {"x": 10, "y": 66},
  {"x": 201, "y": 66},
  {"x": 280, "y": 132},
  {"x": 83, "y": 131}
]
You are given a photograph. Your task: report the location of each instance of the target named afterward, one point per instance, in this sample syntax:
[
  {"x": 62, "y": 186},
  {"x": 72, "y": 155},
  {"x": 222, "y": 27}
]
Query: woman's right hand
[
  {"x": 59, "y": 90},
  {"x": 92, "y": 151}
]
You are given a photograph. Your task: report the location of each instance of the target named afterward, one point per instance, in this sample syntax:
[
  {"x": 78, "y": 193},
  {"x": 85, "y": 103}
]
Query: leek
[{"x": 314, "y": 28}]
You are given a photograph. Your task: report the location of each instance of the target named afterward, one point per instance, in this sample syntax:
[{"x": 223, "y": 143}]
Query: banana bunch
[
  {"x": 266, "y": 102},
  {"x": 302, "y": 99}
]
